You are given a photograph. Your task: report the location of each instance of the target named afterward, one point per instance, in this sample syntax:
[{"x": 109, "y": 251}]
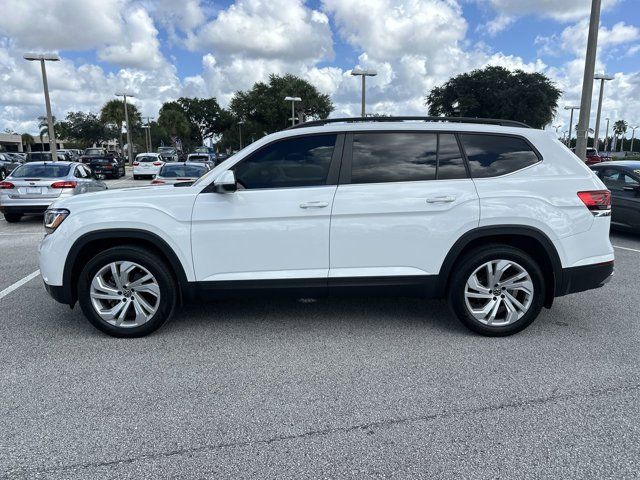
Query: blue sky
[{"x": 162, "y": 49}]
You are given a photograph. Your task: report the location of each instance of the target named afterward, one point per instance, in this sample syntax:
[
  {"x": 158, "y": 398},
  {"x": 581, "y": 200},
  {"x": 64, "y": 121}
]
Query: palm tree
[
  {"x": 28, "y": 140},
  {"x": 112, "y": 113},
  {"x": 175, "y": 123},
  {"x": 619, "y": 129},
  {"x": 43, "y": 125}
]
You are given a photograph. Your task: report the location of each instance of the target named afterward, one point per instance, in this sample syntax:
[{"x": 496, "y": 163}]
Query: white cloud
[
  {"x": 277, "y": 29},
  {"x": 562, "y": 10}
]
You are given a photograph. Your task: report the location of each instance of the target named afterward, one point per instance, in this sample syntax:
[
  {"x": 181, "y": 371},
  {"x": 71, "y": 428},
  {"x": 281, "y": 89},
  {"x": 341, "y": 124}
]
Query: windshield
[
  {"x": 93, "y": 151},
  {"x": 166, "y": 150},
  {"x": 48, "y": 170},
  {"x": 177, "y": 171},
  {"x": 147, "y": 159}
]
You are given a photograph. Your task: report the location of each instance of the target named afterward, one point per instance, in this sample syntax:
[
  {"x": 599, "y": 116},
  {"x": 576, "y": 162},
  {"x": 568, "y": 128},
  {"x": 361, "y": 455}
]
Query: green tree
[
  {"x": 43, "y": 126},
  {"x": 83, "y": 129},
  {"x": 112, "y": 113},
  {"x": 619, "y": 129},
  {"x": 174, "y": 123},
  {"x": 28, "y": 140},
  {"x": 265, "y": 111},
  {"x": 495, "y": 92}
]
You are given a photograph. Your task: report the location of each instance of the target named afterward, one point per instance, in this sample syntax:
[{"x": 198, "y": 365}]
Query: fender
[
  {"x": 68, "y": 295},
  {"x": 497, "y": 231}
]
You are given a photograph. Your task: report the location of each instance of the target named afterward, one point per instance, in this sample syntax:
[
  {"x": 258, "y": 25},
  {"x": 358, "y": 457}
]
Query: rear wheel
[
  {"x": 496, "y": 290},
  {"x": 12, "y": 217},
  {"x": 136, "y": 177},
  {"x": 127, "y": 292}
]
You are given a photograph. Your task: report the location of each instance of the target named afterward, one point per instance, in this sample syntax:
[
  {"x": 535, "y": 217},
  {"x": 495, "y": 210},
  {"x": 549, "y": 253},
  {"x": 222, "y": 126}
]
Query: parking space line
[
  {"x": 627, "y": 248},
  {"x": 18, "y": 284}
]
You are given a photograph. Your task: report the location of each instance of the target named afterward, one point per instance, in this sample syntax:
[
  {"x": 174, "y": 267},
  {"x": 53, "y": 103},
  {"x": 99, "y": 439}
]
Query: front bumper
[
  {"x": 59, "y": 293},
  {"x": 586, "y": 277}
]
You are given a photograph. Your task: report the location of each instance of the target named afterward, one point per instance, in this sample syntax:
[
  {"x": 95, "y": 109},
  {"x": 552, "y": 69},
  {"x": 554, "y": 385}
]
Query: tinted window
[
  {"x": 295, "y": 162},
  {"x": 94, "y": 151},
  {"x": 175, "y": 171},
  {"x": 450, "y": 161},
  {"x": 629, "y": 181},
  {"x": 493, "y": 155},
  {"x": 405, "y": 157},
  {"x": 50, "y": 170},
  {"x": 393, "y": 157},
  {"x": 610, "y": 177},
  {"x": 147, "y": 159}
]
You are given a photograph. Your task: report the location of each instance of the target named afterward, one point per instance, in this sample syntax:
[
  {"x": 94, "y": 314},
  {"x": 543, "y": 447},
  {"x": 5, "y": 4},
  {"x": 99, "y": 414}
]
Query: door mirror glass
[{"x": 225, "y": 183}]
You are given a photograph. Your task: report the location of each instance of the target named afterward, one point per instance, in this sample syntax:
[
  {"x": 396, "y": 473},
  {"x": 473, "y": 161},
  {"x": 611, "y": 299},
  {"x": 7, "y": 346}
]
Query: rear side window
[
  {"x": 405, "y": 157},
  {"x": 494, "y": 155},
  {"x": 294, "y": 162}
]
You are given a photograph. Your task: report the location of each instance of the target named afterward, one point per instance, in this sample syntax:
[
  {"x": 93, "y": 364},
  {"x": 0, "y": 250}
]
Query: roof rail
[{"x": 488, "y": 121}]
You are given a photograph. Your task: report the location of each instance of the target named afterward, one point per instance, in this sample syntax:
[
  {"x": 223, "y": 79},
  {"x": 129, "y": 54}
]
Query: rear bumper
[
  {"x": 586, "y": 277},
  {"x": 24, "y": 209}
]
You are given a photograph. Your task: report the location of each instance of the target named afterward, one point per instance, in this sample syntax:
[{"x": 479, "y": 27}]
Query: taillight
[
  {"x": 108, "y": 167},
  {"x": 597, "y": 201},
  {"x": 135, "y": 164},
  {"x": 65, "y": 184},
  {"x": 157, "y": 182},
  {"x": 6, "y": 185},
  {"x": 157, "y": 164}
]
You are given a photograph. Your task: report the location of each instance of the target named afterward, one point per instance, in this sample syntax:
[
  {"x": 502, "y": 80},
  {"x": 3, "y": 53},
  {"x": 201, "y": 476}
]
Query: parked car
[
  {"x": 147, "y": 165},
  {"x": 168, "y": 154},
  {"x": 622, "y": 178},
  {"x": 494, "y": 216},
  {"x": 93, "y": 152},
  {"x": 71, "y": 154},
  {"x": 107, "y": 167},
  {"x": 593, "y": 157},
  {"x": 171, "y": 173},
  {"x": 32, "y": 187},
  {"x": 7, "y": 164},
  {"x": 46, "y": 157},
  {"x": 208, "y": 158}
]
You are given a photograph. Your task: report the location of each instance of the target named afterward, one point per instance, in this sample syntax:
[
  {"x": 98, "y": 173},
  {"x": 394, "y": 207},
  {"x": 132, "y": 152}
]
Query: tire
[
  {"x": 136, "y": 177},
  {"x": 12, "y": 217},
  {"x": 132, "y": 325},
  {"x": 3, "y": 174},
  {"x": 509, "y": 317}
]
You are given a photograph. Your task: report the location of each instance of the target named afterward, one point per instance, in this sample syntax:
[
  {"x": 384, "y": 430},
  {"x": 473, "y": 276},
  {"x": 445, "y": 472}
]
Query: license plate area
[{"x": 34, "y": 190}]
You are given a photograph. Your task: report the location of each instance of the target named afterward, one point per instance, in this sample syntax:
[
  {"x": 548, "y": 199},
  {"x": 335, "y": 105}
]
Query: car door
[
  {"x": 620, "y": 212},
  {"x": 403, "y": 199},
  {"x": 275, "y": 227},
  {"x": 628, "y": 201}
]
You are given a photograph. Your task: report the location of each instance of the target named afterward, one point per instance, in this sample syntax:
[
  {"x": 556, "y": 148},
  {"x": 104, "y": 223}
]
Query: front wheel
[
  {"x": 496, "y": 290},
  {"x": 127, "y": 292},
  {"x": 12, "y": 217}
]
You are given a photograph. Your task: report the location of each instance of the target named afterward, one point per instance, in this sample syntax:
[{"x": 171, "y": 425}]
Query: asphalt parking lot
[{"x": 361, "y": 388}]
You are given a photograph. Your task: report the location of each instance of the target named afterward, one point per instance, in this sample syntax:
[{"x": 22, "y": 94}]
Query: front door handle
[
  {"x": 441, "y": 199},
  {"x": 314, "y": 204}
]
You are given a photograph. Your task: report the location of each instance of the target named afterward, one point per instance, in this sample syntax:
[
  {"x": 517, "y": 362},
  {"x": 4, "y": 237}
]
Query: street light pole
[
  {"x": 240, "y": 123},
  {"x": 126, "y": 120},
  {"x": 572, "y": 108},
  {"x": 633, "y": 136},
  {"x": 52, "y": 57},
  {"x": 150, "y": 147},
  {"x": 363, "y": 73},
  {"x": 606, "y": 137},
  {"x": 293, "y": 101},
  {"x": 587, "y": 83},
  {"x": 596, "y": 137}
]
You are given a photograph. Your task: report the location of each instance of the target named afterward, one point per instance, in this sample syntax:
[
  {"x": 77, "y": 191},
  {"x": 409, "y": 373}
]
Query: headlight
[{"x": 53, "y": 217}]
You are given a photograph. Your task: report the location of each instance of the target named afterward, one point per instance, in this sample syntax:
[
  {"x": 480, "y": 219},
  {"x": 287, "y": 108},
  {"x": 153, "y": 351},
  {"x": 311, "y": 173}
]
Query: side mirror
[{"x": 225, "y": 183}]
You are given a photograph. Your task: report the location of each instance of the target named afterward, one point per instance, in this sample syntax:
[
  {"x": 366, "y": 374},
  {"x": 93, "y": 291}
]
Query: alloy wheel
[
  {"x": 125, "y": 294},
  {"x": 499, "y": 292}
]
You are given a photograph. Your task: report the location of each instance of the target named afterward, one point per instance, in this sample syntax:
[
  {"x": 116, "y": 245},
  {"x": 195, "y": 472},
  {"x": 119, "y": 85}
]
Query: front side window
[
  {"x": 611, "y": 177},
  {"x": 494, "y": 155},
  {"x": 294, "y": 162},
  {"x": 405, "y": 157}
]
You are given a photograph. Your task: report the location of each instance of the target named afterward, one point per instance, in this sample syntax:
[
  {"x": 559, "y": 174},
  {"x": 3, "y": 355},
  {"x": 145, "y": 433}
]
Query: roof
[
  {"x": 456, "y": 120},
  {"x": 631, "y": 164}
]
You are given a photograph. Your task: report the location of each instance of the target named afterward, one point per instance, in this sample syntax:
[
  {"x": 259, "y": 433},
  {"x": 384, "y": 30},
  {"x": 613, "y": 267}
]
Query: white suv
[{"x": 494, "y": 216}]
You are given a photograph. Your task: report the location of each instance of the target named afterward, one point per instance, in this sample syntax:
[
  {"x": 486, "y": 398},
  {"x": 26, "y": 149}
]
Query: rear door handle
[
  {"x": 314, "y": 204},
  {"x": 441, "y": 199}
]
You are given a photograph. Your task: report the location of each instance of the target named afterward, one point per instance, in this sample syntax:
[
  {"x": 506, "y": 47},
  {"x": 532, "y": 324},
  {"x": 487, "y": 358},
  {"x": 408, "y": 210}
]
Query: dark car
[
  {"x": 623, "y": 179},
  {"x": 46, "y": 157},
  {"x": 593, "y": 157},
  {"x": 8, "y": 163},
  {"x": 91, "y": 153},
  {"x": 107, "y": 166}
]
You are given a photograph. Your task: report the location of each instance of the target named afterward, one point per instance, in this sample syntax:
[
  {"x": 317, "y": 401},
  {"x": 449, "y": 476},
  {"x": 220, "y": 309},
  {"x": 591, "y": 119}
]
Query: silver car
[
  {"x": 171, "y": 173},
  {"x": 32, "y": 187}
]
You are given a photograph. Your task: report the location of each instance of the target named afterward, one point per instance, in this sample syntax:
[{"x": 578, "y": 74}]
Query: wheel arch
[
  {"x": 93, "y": 242},
  {"x": 530, "y": 239}
]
